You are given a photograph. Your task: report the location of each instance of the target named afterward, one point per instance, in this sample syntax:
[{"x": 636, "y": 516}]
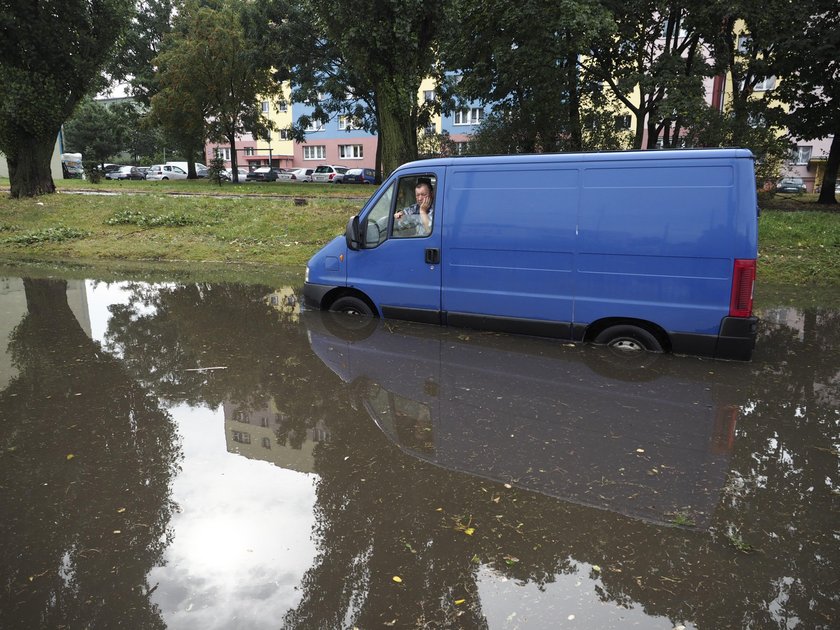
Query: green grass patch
[
  {"x": 58, "y": 234},
  {"x": 171, "y": 219}
]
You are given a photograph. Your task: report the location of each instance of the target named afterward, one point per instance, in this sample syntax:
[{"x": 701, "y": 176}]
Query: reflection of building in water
[
  {"x": 259, "y": 433},
  {"x": 285, "y": 301},
  {"x": 13, "y": 310}
]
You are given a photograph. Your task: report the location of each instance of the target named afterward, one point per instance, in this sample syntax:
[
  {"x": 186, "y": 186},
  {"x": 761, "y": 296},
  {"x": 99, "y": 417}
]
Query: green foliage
[
  {"x": 95, "y": 131},
  {"x": 808, "y": 73},
  {"x": 50, "y": 57},
  {"x": 211, "y": 75},
  {"x": 216, "y": 170},
  {"x": 57, "y": 234},
  {"x": 377, "y": 51},
  {"x": 522, "y": 59},
  {"x": 139, "y": 218}
]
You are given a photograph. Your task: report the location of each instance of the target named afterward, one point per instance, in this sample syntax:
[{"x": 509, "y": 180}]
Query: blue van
[{"x": 647, "y": 250}]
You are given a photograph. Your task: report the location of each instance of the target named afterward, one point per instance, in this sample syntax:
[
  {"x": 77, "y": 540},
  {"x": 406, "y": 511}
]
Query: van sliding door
[{"x": 509, "y": 239}]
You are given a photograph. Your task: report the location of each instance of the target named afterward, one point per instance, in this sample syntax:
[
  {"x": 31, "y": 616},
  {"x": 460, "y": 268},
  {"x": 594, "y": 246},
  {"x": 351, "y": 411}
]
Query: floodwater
[{"x": 193, "y": 455}]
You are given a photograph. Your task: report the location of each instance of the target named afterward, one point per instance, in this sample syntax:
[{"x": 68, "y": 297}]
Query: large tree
[
  {"x": 522, "y": 60},
  {"x": 808, "y": 66},
  {"x": 652, "y": 63},
  {"x": 378, "y": 51},
  {"x": 212, "y": 72},
  {"x": 51, "y": 56}
]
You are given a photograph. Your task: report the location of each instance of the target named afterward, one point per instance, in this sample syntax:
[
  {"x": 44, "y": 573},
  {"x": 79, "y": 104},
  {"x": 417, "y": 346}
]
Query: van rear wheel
[
  {"x": 628, "y": 338},
  {"x": 351, "y": 306}
]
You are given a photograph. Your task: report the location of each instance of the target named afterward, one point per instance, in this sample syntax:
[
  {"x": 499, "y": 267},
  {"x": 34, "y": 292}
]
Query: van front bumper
[{"x": 313, "y": 294}]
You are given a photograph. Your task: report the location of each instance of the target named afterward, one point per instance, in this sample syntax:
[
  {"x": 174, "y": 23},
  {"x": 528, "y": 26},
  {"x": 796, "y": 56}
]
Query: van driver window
[
  {"x": 376, "y": 224},
  {"x": 415, "y": 207}
]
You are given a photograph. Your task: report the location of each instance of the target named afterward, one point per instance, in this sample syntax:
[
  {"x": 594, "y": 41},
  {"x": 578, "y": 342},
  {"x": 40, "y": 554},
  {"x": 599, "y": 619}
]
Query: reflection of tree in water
[
  {"x": 783, "y": 500},
  {"x": 88, "y": 458},
  {"x": 377, "y": 517},
  {"x": 165, "y": 332},
  {"x": 377, "y": 509}
]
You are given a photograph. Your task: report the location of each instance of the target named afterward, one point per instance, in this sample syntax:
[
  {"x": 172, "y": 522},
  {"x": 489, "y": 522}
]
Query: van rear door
[{"x": 399, "y": 263}]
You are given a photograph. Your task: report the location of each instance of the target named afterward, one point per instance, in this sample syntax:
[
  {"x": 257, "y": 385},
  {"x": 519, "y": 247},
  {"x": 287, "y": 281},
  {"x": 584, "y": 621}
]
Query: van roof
[{"x": 601, "y": 156}]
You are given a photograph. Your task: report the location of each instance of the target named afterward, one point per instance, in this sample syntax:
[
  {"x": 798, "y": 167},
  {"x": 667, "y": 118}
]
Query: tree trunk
[
  {"x": 827, "y": 194},
  {"x": 29, "y": 168},
  {"x": 397, "y": 123}
]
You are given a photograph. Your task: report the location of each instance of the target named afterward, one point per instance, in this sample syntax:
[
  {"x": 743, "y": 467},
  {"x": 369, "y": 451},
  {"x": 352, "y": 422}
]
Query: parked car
[
  {"x": 165, "y": 171},
  {"x": 227, "y": 174},
  {"x": 264, "y": 174},
  {"x": 791, "y": 185},
  {"x": 360, "y": 176},
  {"x": 297, "y": 175},
  {"x": 328, "y": 174},
  {"x": 200, "y": 169},
  {"x": 144, "y": 170},
  {"x": 125, "y": 172}
]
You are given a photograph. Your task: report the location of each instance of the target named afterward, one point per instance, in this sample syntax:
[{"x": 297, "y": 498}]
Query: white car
[
  {"x": 296, "y": 175},
  {"x": 228, "y": 174},
  {"x": 165, "y": 171},
  {"x": 328, "y": 174}
]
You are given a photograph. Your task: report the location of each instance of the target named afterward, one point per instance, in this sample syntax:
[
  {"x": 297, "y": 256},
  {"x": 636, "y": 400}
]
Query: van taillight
[
  {"x": 332, "y": 175},
  {"x": 743, "y": 279}
]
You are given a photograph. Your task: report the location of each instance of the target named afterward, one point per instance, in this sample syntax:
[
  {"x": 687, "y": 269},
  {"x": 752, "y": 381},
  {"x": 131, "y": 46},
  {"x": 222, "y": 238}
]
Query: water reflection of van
[{"x": 560, "y": 421}]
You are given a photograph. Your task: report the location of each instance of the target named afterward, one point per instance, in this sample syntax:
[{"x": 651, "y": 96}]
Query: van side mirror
[{"x": 351, "y": 234}]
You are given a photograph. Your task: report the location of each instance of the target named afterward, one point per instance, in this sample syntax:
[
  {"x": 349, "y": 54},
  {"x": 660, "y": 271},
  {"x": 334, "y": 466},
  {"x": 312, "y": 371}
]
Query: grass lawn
[{"x": 285, "y": 223}]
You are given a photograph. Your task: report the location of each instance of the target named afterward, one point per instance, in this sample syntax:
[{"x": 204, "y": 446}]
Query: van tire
[
  {"x": 628, "y": 338},
  {"x": 352, "y": 306}
]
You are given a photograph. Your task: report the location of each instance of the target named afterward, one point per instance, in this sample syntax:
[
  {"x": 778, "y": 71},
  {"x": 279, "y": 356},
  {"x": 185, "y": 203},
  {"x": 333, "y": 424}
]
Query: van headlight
[{"x": 306, "y": 274}]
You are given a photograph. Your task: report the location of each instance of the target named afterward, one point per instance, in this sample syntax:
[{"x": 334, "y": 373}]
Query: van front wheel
[
  {"x": 628, "y": 338},
  {"x": 352, "y": 306}
]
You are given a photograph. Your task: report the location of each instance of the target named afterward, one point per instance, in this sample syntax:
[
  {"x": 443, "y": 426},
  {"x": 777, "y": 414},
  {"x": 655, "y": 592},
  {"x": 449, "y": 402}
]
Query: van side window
[
  {"x": 376, "y": 223},
  {"x": 415, "y": 207}
]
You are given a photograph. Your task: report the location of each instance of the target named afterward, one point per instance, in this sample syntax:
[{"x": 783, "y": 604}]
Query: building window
[
  {"x": 429, "y": 96},
  {"x": 471, "y": 116},
  {"x": 266, "y": 443},
  {"x": 283, "y": 134},
  {"x": 767, "y": 84},
  {"x": 314, "y": 152},
  {"x": 744, "y": 42},
  {"x": 223, "y": 153},
  {"x": 462, "y": 148},
  {"x": 282, "y": 106},
  {"x": 249, "y": 151},
  {"x": 623, "y": 122},
  {"x": 803, "y": 154},
  {"x": 350, "y": 151},
  {"x": 315, "y": 125},
  {"x": 264, "y": 107},
  {"x": 346, "y": 123},
  {"x": 242, "y": 437}
]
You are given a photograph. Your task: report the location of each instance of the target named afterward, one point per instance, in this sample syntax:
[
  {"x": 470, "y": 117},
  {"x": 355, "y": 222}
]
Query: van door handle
[{"x": 432, "y": 255}]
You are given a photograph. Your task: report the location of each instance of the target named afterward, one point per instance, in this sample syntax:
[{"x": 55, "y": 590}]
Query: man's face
[{"x": 422, "y": 193}]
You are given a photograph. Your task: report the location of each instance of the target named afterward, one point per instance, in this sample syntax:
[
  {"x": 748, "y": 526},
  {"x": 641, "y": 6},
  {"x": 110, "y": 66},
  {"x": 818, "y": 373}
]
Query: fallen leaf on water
[
  {"x": 121, "y": 510},
  {"x": 469, "y": 531},
  {"x": 596, "y": 568},
  {"x": 397, "y": 579},
  {"x": 70, "y": 456},
  {"x": 117, "y": 531},
  {"x": 458, "y": 602}
]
